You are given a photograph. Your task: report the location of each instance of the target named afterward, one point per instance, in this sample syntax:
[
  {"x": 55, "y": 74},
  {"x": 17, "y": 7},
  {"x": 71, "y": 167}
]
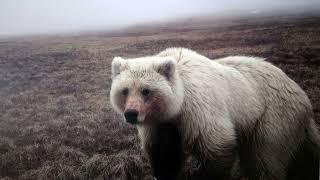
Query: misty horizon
[{"x": 21, "y": 17}]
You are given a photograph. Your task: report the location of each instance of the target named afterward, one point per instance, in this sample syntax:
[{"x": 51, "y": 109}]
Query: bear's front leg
[
  {"x": 216, "y": 162},
  {"x": 165, "y": 152}
]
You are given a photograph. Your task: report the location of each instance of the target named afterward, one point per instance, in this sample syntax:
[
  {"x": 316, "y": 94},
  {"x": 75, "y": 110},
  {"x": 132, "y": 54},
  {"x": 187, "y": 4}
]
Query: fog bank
[{"x": 23, "y": 17}]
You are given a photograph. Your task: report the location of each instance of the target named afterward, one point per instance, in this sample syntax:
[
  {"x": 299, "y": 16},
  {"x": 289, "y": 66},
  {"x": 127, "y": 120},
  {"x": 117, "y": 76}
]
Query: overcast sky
[{"x": 19, "y": 17}]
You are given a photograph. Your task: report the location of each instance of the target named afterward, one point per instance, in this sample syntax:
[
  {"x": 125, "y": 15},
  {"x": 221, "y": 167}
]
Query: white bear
[{"x": 219, "y": 110}]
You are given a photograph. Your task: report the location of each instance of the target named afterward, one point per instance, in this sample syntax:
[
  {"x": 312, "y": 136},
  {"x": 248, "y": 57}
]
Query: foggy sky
[{"x": 19, "y": 17}]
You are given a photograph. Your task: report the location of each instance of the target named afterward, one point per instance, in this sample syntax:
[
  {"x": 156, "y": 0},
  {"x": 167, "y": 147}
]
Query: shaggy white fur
[{"x": 223, "y": 108}]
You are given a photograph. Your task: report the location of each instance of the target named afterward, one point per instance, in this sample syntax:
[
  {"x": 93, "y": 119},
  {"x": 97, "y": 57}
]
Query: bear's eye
[
  {"x": 145, "y": 92},
  {"x": 125, "y": 91}
]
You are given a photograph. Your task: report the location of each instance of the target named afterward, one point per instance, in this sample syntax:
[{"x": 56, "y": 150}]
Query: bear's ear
[
  {"x": 167, "y": 67},
  {"x": 118, "y": 64}
]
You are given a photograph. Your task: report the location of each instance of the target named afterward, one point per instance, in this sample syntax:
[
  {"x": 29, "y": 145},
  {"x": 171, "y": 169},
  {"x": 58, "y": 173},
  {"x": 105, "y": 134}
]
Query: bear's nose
[{"x": 131, "y": 116}]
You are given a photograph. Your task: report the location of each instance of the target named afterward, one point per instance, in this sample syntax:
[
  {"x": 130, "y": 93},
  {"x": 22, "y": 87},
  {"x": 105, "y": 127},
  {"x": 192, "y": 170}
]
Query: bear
[{"x": 219, "y": 110}]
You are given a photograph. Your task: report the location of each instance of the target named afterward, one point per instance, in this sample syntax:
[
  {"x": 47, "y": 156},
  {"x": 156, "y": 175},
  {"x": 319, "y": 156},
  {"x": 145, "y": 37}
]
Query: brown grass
[{"x": 55, "y": 118}]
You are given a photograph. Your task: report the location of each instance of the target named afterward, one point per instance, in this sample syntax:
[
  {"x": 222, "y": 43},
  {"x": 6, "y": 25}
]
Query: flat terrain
[{"x": 55, "y": 118}]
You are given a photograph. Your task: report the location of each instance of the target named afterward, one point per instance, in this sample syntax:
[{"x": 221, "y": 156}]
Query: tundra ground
[{"x": 55, "y": 118}]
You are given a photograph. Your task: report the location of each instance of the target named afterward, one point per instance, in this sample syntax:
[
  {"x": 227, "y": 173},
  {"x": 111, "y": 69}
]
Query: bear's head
[{"x": 146, "y": 90}]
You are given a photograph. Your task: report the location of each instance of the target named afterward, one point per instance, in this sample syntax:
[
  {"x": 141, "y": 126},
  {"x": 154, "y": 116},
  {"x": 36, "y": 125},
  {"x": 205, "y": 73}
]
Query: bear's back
[
  {"x": 265, "y": 75},
  {"x": 282, "y": 97},
  {"x": 236, "y": 79}
]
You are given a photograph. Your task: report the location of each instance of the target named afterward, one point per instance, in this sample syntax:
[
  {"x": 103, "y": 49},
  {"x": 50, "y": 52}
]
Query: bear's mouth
[
  {"x": 151, "y": 120},
  {"x": 141, "y": 119},
  {"x": 144, "y": 119}
]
